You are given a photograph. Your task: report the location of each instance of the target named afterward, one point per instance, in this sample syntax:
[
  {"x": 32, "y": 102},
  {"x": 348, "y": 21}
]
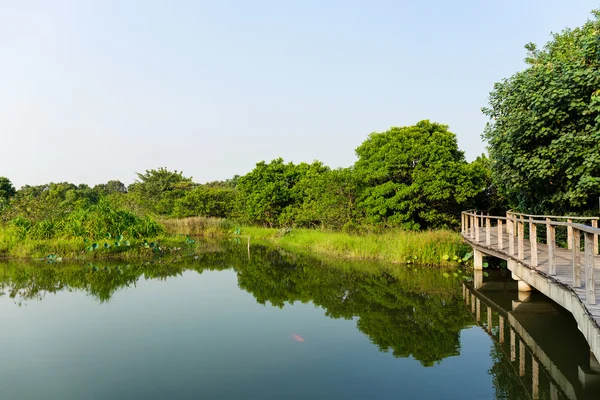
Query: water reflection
[
  {"x": 417, "y": 313},
  {"x": 535, "y": 349},
  {"x": 538, "y": 352}
]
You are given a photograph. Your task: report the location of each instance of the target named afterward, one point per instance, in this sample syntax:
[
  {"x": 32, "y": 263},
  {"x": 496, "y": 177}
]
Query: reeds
[
  {"x": 198, "y": 226},
  {"x": 436, "y": 247}
]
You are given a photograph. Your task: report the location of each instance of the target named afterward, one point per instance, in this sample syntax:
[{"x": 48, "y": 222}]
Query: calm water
[{"x": 275, "y": 326}]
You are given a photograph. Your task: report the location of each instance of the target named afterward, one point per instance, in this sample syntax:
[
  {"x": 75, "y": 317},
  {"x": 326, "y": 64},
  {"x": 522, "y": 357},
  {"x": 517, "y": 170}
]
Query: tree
[
  {"x": 415, "y": 177},
  {"x": 544, "y": 130},
  {"x": 328, "y": 200},
  {"x": 206, "y": 200},
  {"x": 158, "y": 189},
  {"x": 7, "y": 190},
  {"x": 111, "y": 187},
  {"x": 267, "y": 195}
]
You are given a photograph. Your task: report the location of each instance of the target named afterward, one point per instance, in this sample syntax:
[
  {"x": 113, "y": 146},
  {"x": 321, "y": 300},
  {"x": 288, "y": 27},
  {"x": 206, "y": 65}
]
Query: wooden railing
[{"x": 476, "y": 223}]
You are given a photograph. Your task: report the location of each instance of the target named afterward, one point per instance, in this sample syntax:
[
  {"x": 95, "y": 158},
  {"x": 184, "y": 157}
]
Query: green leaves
[
  {"x": 544, "y": 128},
  {"x": 414, "y": 177}
]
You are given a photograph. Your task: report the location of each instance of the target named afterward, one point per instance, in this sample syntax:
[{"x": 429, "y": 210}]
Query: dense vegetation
[
  {"x": 410, "y": 178},
  {"x": 544, "y": 130}
]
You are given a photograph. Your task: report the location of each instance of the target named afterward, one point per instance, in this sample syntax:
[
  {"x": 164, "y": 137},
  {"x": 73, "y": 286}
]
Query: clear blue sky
[{"x": 99, "y": 90}]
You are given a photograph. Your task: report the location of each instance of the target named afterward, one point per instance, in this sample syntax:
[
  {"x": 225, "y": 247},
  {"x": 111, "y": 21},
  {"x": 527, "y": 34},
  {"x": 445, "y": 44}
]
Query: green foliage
[
  {"x": 326, "y": 199},
  {"x": 208, "y": 201},
  {"x": 544, "y": 126},
  {"x": 422, "y": 248},
  {"x": 415, "y": 177},
  {"x": 268, "y": 193},
  {"x": 111, "y": 187},
  {"x": 412, "y": 177},
  {"x": 7, "y": 190},
  {"x": 94, "y": 221},
  {"x": 158, "y": 189}
]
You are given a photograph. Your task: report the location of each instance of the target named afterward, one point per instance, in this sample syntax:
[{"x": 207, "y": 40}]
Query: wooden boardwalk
[{"x": 568, "y": 276}]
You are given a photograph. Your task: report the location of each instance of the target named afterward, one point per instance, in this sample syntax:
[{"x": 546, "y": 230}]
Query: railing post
[
  {"x": 511, "y": 235},
  {"x": 533, "y": 242},
  {"x": 590, "y": 283},
  {"x": 476, "y": 227},
  {"x": 570, "y": 235},
  {"x": 551, "y": 240},
  {"x": 488, "y": 232},
  {"x": 513, "y": 346},
  {"x": 521, "y": 234},
  {"x": 472, "y": 224},
  {"x": 595, "y": 225},
  {"x": 576, "y": 251},
  {"x": 500, "y": 238},
  {"x": 521, "y": 358},
  {"x": 535, "y": 378}
]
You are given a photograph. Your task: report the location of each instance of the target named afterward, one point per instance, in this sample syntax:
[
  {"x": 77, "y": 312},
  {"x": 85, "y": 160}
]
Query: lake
[{"x": 276, "y": 325}]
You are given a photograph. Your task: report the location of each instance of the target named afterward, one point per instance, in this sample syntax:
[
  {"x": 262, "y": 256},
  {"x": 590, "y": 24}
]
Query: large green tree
[
  {"x": 416, "y": 177},
  {"x": 544, "y": 130}
]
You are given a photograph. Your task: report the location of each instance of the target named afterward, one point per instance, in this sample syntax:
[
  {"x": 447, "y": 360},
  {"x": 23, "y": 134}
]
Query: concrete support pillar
[
  {"x": 477, "y": 279},
  {"x": 477, "y": 259},
  {"x": 523, "y": 296},
  {"x": 523, "y": 287}
]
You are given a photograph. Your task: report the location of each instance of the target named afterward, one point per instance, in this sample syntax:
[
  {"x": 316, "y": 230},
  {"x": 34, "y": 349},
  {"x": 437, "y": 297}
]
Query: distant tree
[
  {"x": 204, "y": 200},
  {"x": 544, "y": 130},
  {"x": 487, "y": 199},
  {"x": 415, "y": 177},
  {"x": 267, "y": 195},
  {"x": 7, "y": 190},
  {"x": 328, "y": 200},
  {"x": 111, "y": 187},
  {"x": 158, "y": 189}
]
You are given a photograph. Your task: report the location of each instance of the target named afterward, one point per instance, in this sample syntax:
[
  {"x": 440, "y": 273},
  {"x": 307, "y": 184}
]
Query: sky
[{"x": 92, "y": 91}]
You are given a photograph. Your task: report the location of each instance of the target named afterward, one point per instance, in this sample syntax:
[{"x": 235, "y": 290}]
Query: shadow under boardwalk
[{"x": 549, "y": 355}]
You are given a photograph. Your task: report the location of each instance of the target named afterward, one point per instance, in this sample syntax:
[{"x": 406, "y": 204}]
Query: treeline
[{"x": 409, "y": 177}]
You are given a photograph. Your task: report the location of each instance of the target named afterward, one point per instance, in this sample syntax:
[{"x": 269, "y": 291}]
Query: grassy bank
[
  {"x": 437, "y": 247},
  {"x": 76, "y": 249}
]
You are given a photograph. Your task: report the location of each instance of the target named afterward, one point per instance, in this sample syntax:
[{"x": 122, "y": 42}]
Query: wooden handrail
[
  {"x": 581, "y": 227},
  {"x": 582, "y": 267},
  {"x": 550, "y": 216}
]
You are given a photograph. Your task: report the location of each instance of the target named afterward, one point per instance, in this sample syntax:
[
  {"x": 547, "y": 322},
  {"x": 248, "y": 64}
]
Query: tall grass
[
  {"x": 428, "y": 247},
  {"x": 198, "y": 226}
]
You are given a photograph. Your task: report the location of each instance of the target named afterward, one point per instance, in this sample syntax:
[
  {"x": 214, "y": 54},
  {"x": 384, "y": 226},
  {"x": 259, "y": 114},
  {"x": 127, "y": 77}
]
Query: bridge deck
[{"x": 564, "y": 264}]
